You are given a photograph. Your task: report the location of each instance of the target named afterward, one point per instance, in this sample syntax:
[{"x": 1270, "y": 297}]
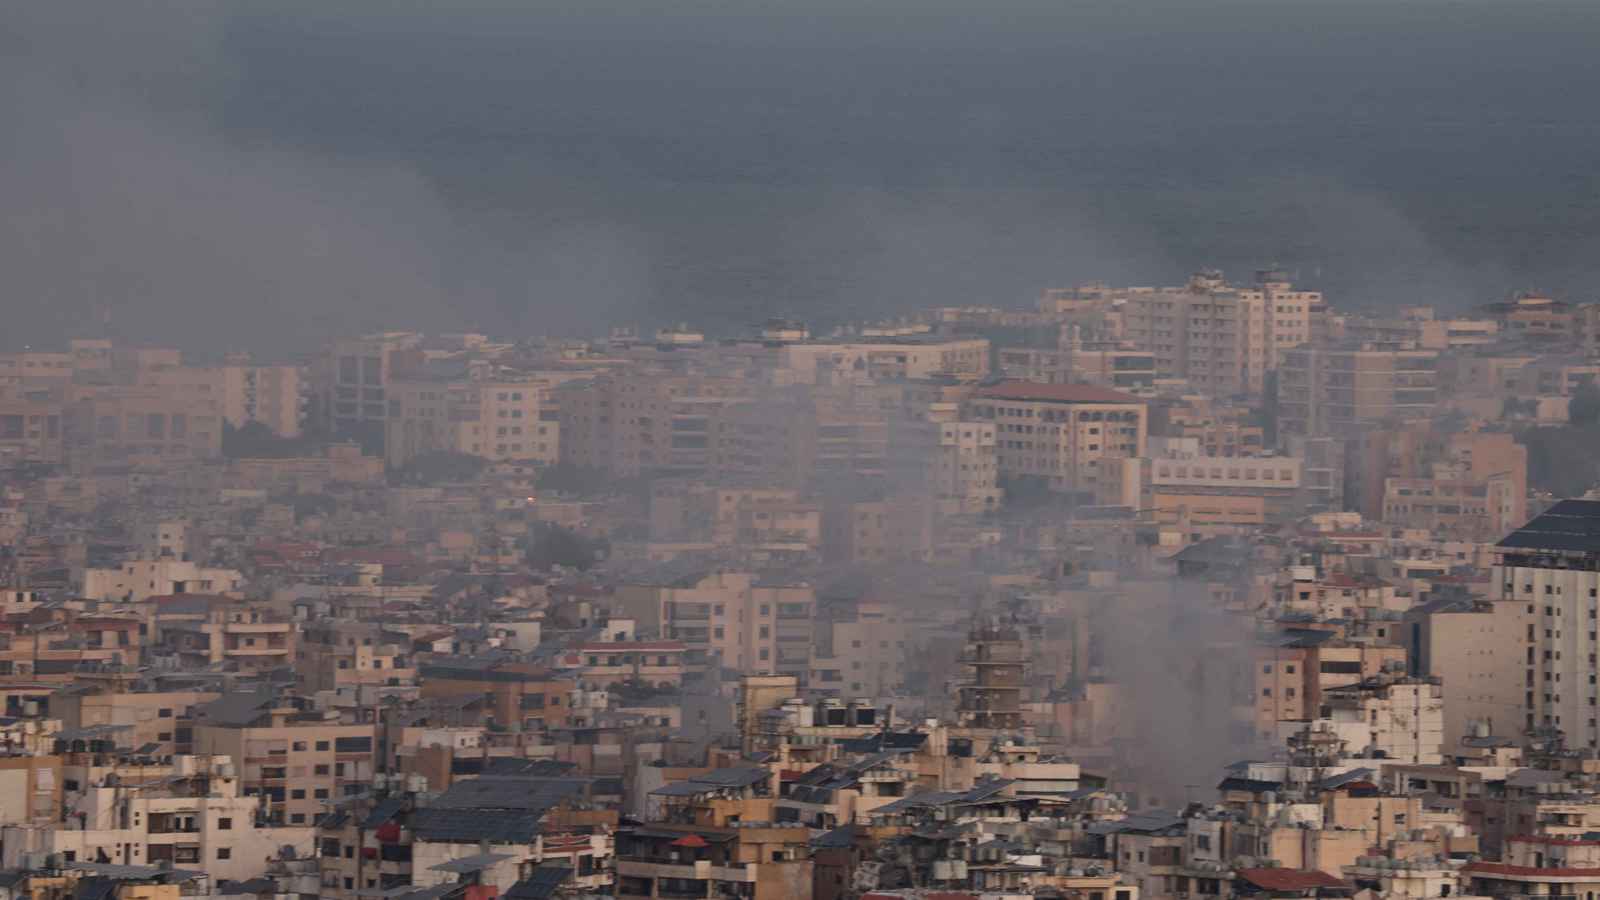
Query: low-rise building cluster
[{"x": 1190, "y": 593}]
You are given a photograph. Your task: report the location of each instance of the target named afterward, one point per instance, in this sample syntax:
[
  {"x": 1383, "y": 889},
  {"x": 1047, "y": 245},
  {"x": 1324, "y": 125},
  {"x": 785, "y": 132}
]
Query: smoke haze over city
[{"x": 234, "y": 174}]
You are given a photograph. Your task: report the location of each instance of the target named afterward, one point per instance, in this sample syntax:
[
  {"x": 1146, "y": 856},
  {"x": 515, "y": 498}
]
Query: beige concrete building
[
  {"x": 293, "y": 764},
  {"x": 645, "y": 422},
  {"x": 163, "y": 718},
  {"x": 888, "y": 358},
  {"x": 142, "y": 579},
  {"x": 1550, "y": 570},
  {"x": 1222, "y": 339},
  {"x": 497, "y": 418},
  {"x": 1119, "y": 366},
  {"x": 351, "y": 382},
  {"x": 149, "y": 425},
  {"x": 1467, "y": 485},
  {"x": 1400, "y": 719},
  {"x": 1331, "y": 391},
  {"x": 1060, "y": 434},
  {"x": 331, "y": 655},
  {"x": 189, "y": 813},
  {"x": 31, "y": 425},
  {"x": 1475, "y": 649},
  {"x": 269, "y": 395},
  {"x": 861, "y": 652},
  {"x": 731, "y": 619},
  {"x": 1178, "y": 483}
]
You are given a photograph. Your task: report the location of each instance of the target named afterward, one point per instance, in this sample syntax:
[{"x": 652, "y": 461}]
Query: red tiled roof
[
  {"x": 630, "y": 646},
  {"x": 1055, "y": 393},
  {"x": 1493, "y": 868},
  {"x": 1288, "y": 879},
  {"x": 1549, "y": 839},
  {"x": 186, "y": 599}
]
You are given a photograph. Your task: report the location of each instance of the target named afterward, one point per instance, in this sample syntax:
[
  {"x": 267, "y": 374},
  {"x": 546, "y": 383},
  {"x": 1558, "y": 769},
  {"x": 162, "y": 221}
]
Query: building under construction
[{"x": 995, "y": 660}]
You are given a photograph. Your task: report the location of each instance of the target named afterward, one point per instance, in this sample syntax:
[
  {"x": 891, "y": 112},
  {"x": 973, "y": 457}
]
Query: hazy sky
[{"x": 262, "y": 174}]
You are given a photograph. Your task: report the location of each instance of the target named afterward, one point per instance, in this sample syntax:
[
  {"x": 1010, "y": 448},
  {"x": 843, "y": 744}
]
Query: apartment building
[
  {"x": 141, "y": 579},
  {"x": 1391, "y": 718},
  {"x": 516, "y": 694},
  {"x": 598, "y": 665},
  {"x": 731, "y": 619},
  {"x": 954, "y": 461},
  {"x": 332, "y": 655},
  {"x": 883, "y": 358},
  {"x": 899, "y": 528},
  {"x": 31, "y": 425},
  {"x": 799, "y": 441},
  {"x": 1060, "y": 434},
  {"x": 141, "y": 718},
  {"x": 1550, "y": 568},
  {"x": 1222, "y": 429},
  {"x": 192, "y": 814},
  {"x": 273, "y": 396},
  {"x": 294, "y": 763},
  {"x": 495, "y": 417},
  {"x": 149, "y": 425},
  {"x": 1332, "y": 391},
  {"x": 351, "y": 383},
  {"x": 860, "y": 652},
  {"x": 238, "y": 636},
  {"x": 1295, "y": 670},
  {"x": 1535, "y": 864},
  {"x": 52, "y": 644},
  {"x": 1475, "y": 648},
  {"x": 1222, "y": 339},
  {"x": 1470, "y": 485},
  {"x": 1120, "y": 366},
  {"x": 715, "y": 835},
  {"x": 645, "y": 422},
  {"x": 1180, "y": 483}
]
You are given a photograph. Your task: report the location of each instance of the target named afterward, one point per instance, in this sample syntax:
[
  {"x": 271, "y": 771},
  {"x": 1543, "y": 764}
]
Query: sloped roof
[
  {"x": 1288, "y": 879},
  {"x": 383, "y": 812},
  {"x": 468, "y": 826},
  {"x": 541, "y": 885},
  {"x": 506, "y": 793},
  {"x": 1571, "y": 526}
]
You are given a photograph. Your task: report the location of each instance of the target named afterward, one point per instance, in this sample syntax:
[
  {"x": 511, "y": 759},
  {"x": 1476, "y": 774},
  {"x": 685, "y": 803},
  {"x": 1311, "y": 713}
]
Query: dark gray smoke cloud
[
  {"x": 1182, "y": 667},
  {"x": 218, "y": 171},
  {"x": 128, "y": 208}
]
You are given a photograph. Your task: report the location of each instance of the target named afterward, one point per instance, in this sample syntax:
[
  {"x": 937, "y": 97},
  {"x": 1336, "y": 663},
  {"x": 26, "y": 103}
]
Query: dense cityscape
[{"x": 1178, "y": 593}]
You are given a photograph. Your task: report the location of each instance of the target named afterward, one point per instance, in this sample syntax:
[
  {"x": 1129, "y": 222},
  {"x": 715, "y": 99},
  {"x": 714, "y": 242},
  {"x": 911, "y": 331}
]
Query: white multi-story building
[
  {"x": 1399, "y": 719},
  {"x": 496, "y": 418},
  {"x": 1550, "y": 569},
  {"x": 193, "y": 815},
  {"x": 1060, "y": 433},
  {"x": 1222, "y": 338},
  {"x": 142, "y": 579}
]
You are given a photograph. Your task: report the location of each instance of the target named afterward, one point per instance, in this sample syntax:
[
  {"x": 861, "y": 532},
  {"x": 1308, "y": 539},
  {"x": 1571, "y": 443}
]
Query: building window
[
  {"x": 224, "y": 824},
  {"x": 224, "y": 853}
]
